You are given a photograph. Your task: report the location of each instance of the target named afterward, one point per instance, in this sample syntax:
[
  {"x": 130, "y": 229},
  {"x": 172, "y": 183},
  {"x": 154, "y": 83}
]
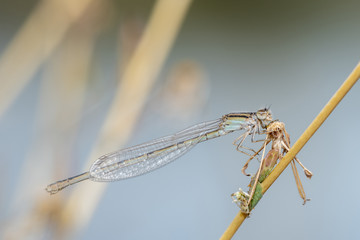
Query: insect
[
  {"x": 280, "y": 139},
  {"x": 152, "y": 155}
]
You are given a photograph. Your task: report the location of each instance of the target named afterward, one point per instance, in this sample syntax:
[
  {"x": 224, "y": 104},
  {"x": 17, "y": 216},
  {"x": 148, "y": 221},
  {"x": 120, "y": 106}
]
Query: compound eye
[{"x": 262, "y": 114}]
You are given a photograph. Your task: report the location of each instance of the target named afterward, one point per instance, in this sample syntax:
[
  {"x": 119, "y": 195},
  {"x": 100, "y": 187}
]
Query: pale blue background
[{"x": 291, "y": 54}]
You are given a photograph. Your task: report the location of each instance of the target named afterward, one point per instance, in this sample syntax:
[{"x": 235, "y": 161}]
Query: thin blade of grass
[{"x": 299, "y": 144}]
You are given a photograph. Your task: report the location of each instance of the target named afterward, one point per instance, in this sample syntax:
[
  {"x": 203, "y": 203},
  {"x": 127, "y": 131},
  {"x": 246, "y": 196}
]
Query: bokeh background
[{"x": 83, "y": 78}]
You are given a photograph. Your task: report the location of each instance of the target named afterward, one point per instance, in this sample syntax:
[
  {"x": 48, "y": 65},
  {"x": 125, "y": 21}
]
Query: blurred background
[{"x": 83, "y": 78}]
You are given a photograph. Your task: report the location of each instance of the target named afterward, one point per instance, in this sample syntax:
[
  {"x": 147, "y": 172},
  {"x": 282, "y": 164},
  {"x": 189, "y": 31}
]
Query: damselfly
[
  {"x": 152, "y": 155},
  {"x": 280, "y": 145}
]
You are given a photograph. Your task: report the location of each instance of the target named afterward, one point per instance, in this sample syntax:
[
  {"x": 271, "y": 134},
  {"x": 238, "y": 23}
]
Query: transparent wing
[{"x": 149, "y": 156}]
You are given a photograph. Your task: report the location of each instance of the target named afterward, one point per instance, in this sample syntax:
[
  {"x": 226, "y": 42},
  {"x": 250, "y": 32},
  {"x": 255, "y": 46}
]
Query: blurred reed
[
  {"x": 60, "y": 105},
  {"x": 36, "y": 40},
  {"x": 136, "y": 82},
  {"x": 62, "y": 33}
]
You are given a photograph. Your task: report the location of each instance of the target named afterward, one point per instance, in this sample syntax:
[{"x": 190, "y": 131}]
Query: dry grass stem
[
  {"x": 34, "y": 43},
  {"x": 60, "y": 103},
  {"x": 136, "y": 83},
  {"x": 317, "y": 122}
]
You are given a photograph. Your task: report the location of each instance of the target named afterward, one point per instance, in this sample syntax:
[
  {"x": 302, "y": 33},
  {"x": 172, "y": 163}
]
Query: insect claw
[{"x": 308, "y": 174}]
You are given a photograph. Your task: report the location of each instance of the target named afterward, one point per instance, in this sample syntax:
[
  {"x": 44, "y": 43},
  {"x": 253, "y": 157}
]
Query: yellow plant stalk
[{"x": 313, "y": 127}]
